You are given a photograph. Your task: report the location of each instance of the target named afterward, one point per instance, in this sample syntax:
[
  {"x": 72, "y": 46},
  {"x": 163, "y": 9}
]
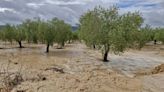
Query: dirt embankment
[{"x": 158, "y": 69}]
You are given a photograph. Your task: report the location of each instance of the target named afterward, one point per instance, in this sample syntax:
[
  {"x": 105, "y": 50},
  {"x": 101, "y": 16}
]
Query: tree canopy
[
  {"x": 37, "y": 30},
  {"x": 109, "y": 30}
]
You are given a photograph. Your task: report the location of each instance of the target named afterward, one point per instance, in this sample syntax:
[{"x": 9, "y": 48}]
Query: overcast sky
[{"x": 15, "y": 11}]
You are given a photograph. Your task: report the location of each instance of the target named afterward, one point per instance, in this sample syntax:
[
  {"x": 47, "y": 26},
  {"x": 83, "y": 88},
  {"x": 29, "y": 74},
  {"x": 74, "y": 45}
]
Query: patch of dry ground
[{"x": 79, "y": 69}]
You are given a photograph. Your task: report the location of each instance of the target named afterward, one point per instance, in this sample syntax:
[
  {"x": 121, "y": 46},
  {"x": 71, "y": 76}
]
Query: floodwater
[{"x": 83, "y": 69}]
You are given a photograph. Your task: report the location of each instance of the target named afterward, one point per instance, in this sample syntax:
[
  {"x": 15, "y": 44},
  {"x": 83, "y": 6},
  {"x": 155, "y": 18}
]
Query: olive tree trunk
[
  {"x": 20, "y": 44},
  {"x": 105, "y": 59},
  {"x": 61, "y": 45},
  {"x": 47, "y": 49},
  {"x": 94, "y": 46},
  {"x": 155, "y": 42}
]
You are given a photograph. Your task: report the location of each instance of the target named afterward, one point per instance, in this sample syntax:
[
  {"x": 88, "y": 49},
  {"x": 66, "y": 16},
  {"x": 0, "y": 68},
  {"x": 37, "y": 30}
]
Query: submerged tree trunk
[
  {"x": 28, "y": 41},
  {"x": 105, "y": 59},
  {"x": 155, "y": 42},
  {"x": 47, "y": 49},
  {"x": 94, "y": 46},
  {"x": 20, "y": 44},
  {"x": 69, "y": 41},
  {"x": 61, "y": 45}
]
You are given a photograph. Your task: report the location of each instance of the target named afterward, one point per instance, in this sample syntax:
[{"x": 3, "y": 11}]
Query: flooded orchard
[
  {"x": 81, "y": 46},
  {"x": 76, "y": 68}
]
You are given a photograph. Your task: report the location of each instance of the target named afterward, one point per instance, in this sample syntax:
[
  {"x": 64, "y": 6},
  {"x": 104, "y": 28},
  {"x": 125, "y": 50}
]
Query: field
[{"x": 76, "y": 68}]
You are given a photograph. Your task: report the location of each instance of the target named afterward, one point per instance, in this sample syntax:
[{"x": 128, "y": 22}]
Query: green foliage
[
  {"x": 54, "y": 30},
  {"x": 130, "y": 23},
  {"x": 19, "y": 34},
  {"x": 144, "y": 35},
  {"x": 31, "y": 27},
  {"x": 74, "y": 36},
  {"x": 108, "y": 30},
  {"x": 14, "y": 33},
  {"x": 90, "y": 27},
  {"x": 8, "y": 33},
  {"x": 159, "y": 35},
  {"x": 63, "y": 31},
  {"x": 46, "y": 32},
  {"x": 1, "y": 35}
]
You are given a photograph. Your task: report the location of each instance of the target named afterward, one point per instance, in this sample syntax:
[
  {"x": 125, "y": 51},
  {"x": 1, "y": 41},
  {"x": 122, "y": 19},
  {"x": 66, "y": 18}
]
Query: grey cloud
[
  {"x": 71, "y": 10},
  {"x": 68, "y": 10},
  {"x": 152, "y": 11}
]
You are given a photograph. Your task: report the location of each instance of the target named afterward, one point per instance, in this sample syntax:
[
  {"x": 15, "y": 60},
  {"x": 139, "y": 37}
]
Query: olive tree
[
  {"x": 1, "y": 35},
  {"x": 142, "y": 36},
  {"x": 19, "y": 34},
  {"x": 31, "y": 27},
  {"x": 8, "y": 33},
  {"x": 74, "y": 36},
  {"x": 90, "y": 27},
  {"x": 63, "y": 31},
  {"x": 70, "y": 37},
  {"x": 159, "y": 34},
  {"x": 109, "y": 30},
  {"x": 46, "y": 33}
]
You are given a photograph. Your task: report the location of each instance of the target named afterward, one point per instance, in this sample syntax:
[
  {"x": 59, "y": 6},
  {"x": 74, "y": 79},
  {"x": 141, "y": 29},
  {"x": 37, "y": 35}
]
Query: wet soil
[{"x": 77, "y": 68}]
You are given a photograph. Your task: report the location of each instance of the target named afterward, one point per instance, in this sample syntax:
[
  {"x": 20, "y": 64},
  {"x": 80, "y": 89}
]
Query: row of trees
[
  {"x": 101, "y": 28},
  {"x": 35, "y": 31},
  {"x": 158, "y": 35},
  {"x": 108, "y": 30}
]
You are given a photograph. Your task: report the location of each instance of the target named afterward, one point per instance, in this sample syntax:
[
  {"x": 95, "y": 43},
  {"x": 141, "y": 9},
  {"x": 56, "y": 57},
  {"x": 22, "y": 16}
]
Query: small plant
[{"x": 10, "y": 80}]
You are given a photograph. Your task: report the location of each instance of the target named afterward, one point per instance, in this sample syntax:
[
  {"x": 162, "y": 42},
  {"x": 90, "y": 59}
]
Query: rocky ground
[{"x": 79, "y": 69}]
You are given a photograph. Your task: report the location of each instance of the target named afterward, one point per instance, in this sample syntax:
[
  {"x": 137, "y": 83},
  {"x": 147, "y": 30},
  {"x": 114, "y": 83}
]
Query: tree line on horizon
[{"x": 103, "y": 29}]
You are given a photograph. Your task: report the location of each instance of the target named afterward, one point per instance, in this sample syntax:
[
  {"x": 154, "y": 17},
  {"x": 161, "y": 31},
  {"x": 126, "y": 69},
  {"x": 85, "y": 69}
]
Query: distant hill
[{"x": 74, "y": 28}]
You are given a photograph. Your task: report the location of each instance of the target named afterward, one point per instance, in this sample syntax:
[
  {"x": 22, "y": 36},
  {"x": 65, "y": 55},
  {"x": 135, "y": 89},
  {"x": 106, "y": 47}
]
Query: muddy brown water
[{"x": 83, "y": 69}]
